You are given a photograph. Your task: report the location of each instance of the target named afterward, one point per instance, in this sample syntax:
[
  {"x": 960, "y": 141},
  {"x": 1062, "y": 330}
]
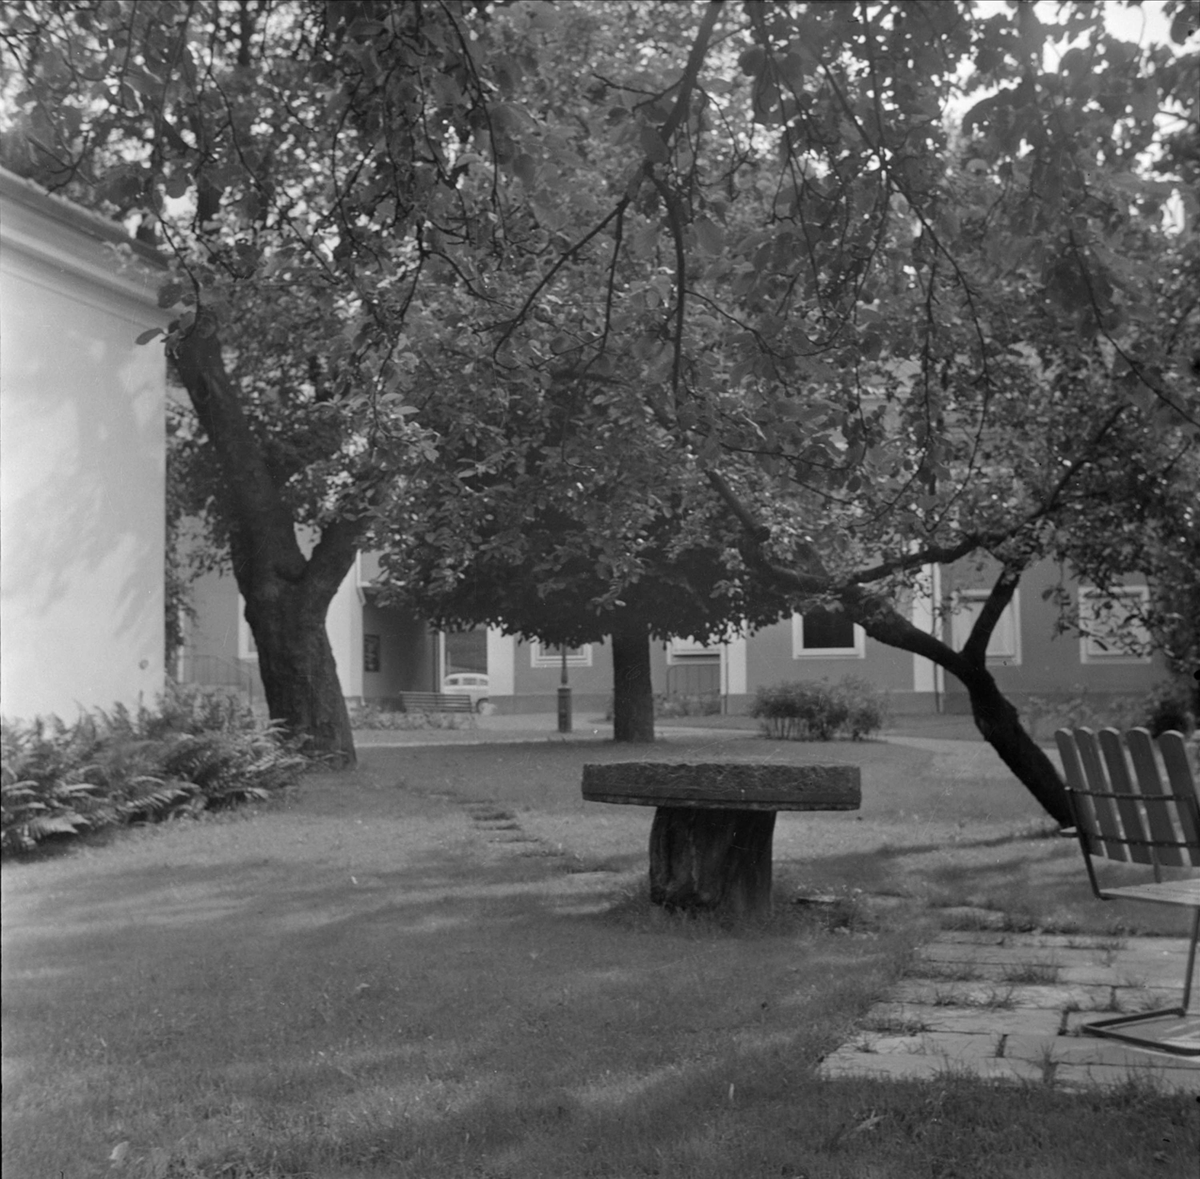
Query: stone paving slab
[
  {"x": 971, "y": 1021},
  {"x": 980, "y": 1020},
  {"x": 1086, "y": 1050},
  {"x": 965, "y": 993},
  {"x": 1077, "y": 1020},
  {"x": 1101, "y": 965},
  {"x": 918, "y": 1067}
]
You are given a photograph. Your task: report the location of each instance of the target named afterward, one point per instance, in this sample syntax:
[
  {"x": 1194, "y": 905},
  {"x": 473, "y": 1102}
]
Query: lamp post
[{"x": 564, "y": 697}]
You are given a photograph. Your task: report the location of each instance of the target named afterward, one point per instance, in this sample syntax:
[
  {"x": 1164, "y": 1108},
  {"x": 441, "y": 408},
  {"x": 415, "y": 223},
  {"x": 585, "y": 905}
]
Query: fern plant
[{"x": 198, "y": 751}]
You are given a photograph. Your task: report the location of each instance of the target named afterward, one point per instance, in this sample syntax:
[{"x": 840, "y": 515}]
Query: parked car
[{"x": 467, "y": 683}]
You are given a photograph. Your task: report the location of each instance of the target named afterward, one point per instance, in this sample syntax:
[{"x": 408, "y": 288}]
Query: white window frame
[
  {"x": 540, "y": 656},
  {"x": 693, "y": 651},
  {"x": 799, "y": 651},
  {"x": 961, "y": 622},
  {"x": 1088, "y": 651}
]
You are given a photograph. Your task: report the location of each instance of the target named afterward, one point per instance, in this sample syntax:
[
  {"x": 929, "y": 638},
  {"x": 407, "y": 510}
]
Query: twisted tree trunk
[
  {"x": 287, "y": 595},
  {"x": 995, "y": 716}
]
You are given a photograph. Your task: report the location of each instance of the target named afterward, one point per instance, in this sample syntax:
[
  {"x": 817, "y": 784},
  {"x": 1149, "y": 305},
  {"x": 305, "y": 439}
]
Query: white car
[{"x": 467, "y": 683}]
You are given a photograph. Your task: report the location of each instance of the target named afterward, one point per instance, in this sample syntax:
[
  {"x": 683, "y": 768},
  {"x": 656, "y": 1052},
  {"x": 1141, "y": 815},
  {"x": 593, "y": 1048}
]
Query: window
[
  {"x": 551, "y": 656},
  {"x": 1004, "y": 645},
  {"x": 371, "y": 653},
  {"x": 464, "y": 650},
  {"x": 825, "y": 634},
  {"x": 1109, "y": 626},
  {"x": 692, "y": 651}
]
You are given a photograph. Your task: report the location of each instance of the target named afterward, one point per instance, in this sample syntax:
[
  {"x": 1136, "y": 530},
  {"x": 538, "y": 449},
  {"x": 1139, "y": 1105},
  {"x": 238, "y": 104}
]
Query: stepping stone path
[{"x": 1008, "y": 1006}]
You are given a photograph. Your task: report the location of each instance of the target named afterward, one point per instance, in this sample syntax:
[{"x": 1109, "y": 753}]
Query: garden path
[{"x": 1009, "y": 1006}]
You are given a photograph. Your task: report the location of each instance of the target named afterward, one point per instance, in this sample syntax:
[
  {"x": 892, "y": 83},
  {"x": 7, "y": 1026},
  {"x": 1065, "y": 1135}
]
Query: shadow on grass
[{"x": 372, "y": 982}]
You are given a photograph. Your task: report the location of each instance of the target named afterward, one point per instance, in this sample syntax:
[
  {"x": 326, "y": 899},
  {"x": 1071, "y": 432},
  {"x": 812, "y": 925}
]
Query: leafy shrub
[
  {"x": 199, "y": 751},
  {"x": 371, "y": 716},
  {"x": 1165, "y": 707},
  {"x": 867, "y": 708},
  {"x": 1168, "y": 707},
  {"x": 816, "y": 711},
  {"x": 1041, "y": 715}
]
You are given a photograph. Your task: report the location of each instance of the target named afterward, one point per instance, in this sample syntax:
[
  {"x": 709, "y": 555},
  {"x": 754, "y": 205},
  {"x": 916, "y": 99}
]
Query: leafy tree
[
  {"x": 288, "y": 157},
  {"x": 570, "y": 518},
  {"x": 927, "y": 339},
  {"x": 876, "y": 332}
]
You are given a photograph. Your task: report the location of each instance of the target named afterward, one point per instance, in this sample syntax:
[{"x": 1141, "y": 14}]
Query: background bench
[
  {"x": 710, "y": 842},
  {"x": 435, "y": 702}
]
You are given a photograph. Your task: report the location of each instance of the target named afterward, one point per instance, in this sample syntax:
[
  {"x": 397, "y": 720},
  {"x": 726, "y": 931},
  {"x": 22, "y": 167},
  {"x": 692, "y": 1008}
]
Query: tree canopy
[{"x": 898, "y": 280}]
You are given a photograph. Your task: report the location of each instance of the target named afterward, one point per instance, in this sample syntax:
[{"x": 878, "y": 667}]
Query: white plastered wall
[{"x": 81, "y": 463}]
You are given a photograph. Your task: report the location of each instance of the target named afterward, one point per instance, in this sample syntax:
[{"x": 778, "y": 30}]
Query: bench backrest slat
[
  {"x": 1081, "y": 802},
  {"x": 436, "y": 702},
  {"x": 1137, "y": 833},
  {"x": 1108, "y": 824},
  {"x": 1158, "y": 814},
  {"x": 1183, "y": 786}
]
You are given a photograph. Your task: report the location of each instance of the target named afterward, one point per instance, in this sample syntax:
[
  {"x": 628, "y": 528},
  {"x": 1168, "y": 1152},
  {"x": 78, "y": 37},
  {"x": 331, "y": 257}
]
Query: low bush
[
  {"x": 198, "y": 751},
  {"x": 1167, "y": 706},
  {"x": 1075, "y": 708},
  {"x": 818, "y": 711},
  {"x": 371, "y": 716}
]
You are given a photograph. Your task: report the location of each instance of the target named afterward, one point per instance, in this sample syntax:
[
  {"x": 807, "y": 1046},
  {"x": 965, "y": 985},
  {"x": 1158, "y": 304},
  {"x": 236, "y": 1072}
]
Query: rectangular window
[
  {"x": 551, "y": 656},
  {"x": 826, "y": 634},
  {"x": 1004, "y": 645},
  {"x": 464, "y": 650},
  {"x": 1110, "y": 625},
  {"x": 371, "y": 653},
  {"x": 693, "y": 651}
]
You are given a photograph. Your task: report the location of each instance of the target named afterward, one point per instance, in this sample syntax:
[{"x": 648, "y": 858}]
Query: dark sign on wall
[{"x": 370, "y": 652}]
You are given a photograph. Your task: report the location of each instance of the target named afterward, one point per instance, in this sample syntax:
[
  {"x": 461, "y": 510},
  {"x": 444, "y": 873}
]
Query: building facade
[
  {"x": 82, "y": 437},
  {"x": 382, "y": 652}
]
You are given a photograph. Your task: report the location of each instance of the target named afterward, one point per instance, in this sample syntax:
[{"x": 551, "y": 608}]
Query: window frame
[
  {"x": 1012, "y": 610},
  {"x": 539, "y": 659},
  {"x": 800, "y": 651},
  {"x": 1088, "y": 656},
  {"x": 680, "y": 651}
]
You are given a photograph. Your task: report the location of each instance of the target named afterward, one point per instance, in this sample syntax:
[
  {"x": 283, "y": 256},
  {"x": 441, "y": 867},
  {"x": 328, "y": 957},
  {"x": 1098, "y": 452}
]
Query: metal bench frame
[{"x": 1137, "y": 819}]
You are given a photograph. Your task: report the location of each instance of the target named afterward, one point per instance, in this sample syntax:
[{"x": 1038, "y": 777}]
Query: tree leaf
[
  {"x": 709, "y": 235},
  {"x": 654, "y": 147}
]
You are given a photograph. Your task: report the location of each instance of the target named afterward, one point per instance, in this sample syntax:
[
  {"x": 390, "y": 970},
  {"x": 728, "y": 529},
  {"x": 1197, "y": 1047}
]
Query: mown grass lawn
[{"x": 444, "y": 964}]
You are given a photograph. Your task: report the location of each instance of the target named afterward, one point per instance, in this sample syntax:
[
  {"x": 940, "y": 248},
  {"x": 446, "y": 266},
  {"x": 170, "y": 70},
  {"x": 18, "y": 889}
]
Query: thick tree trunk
[
  {"x": 287, "y": 595},
  {"x": 297, "y": 666},
  {"x": 633, "y": 693},
  {"x": 712, "y": 859}
]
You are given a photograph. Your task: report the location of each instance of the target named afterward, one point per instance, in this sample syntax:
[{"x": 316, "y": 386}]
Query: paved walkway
[
  {"x": 1008, "y": 1006},
  {"x": 533, "y": 726}
]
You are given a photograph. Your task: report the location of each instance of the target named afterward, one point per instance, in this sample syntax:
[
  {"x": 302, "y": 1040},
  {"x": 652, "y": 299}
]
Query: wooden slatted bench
[
  {"x": 1140, "y": 817},
  {"x": 435, "y": 702},
  {"x": 710, "y": 842}
]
